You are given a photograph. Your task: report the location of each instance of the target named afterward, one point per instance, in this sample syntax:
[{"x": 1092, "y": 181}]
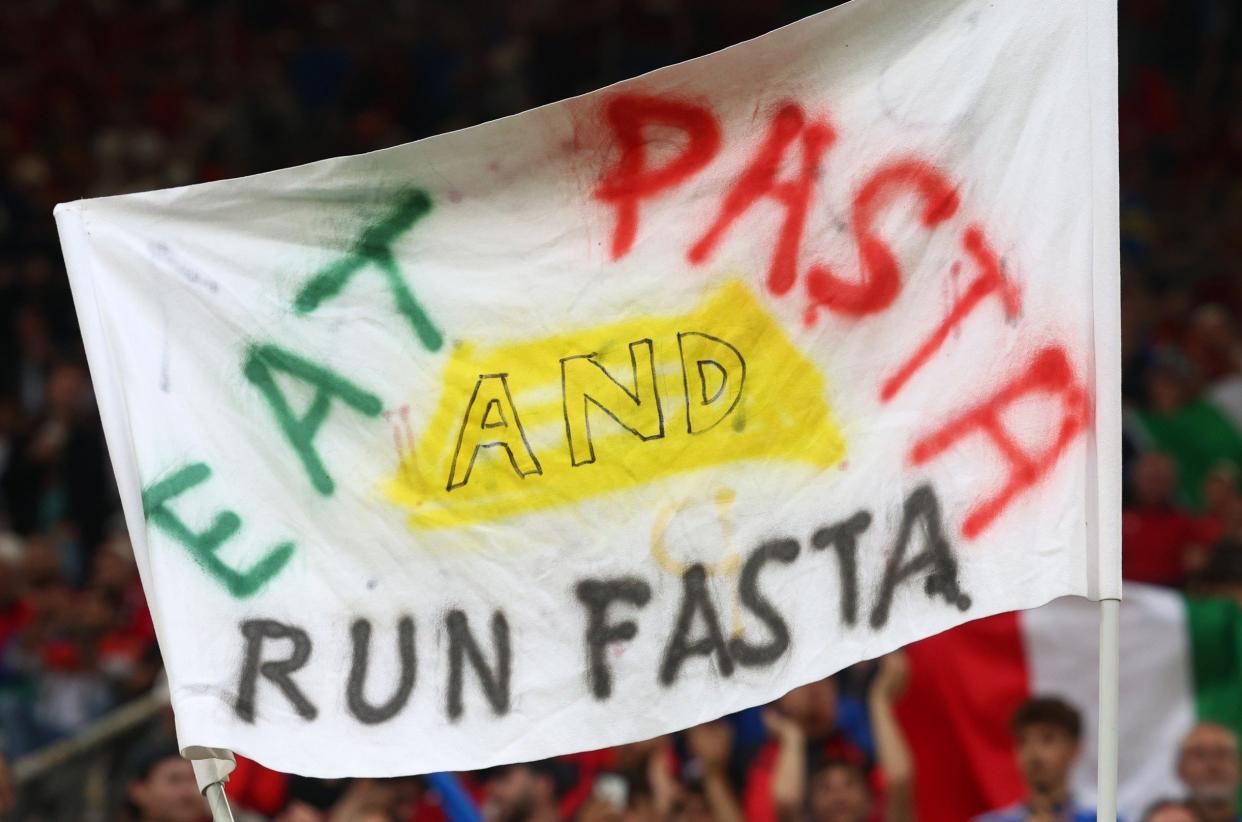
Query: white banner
[{"x": 612, "y": 417}]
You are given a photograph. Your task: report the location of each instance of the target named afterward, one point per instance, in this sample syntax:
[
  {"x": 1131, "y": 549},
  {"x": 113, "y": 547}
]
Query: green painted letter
[
  {"x": 375, "y": 247},
  {"x": 202, "y": 545},
  {"x": 261, "y": 360}
]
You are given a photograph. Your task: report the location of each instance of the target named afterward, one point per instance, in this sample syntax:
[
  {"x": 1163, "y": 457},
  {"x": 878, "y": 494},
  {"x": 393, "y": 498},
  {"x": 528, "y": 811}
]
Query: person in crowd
[
  {"x": 1158, "y": 537},
  {"x": 840, "y": 788},
  {"x": 801, "y": 725},
  {"x": 161, "y": 786},
  {"x": 59, "y": 480},
  {"x": 1221, "y": 574},
  {"x": 14, "y": 608},
  {"x": 8, "y": 796},
  {"x": 1214, "y": 344},
  {"x": 709, "y": 793},
  {"x": 1185, "y": 425},
  {"x": 1208, "y": 765},
  {"x": 1169, "y": 810},
  {"x": 527, "y": 792},
  {"x": 1222, "y": 510},
  {"x": 806, "y": 717},
  {"x": 17, "y": 735},
  {"x": 639, "y": 779},
  {"x": 1048, "y": 732},
  {"x": 608, "y": 803},
  {"x": 351, "y": 800}
]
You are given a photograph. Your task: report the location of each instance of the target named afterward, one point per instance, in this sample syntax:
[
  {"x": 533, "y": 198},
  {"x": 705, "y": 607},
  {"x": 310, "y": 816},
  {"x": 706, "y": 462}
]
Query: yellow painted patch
[{"x": 780, "y": 413}]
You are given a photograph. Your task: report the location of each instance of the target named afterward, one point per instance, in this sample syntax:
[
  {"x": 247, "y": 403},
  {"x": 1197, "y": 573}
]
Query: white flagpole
[
  {"x": 212, "y": 767},
  {"x": 1110, "y": 683},
  {"x": 218, "y": 803}
]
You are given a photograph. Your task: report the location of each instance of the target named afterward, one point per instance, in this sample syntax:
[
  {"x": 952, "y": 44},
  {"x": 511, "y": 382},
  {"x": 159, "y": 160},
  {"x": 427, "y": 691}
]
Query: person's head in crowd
[
  {"x": 355, "y": 800},
  {"x": 691, "y": 803},
  {"x": 1168, "y": 810},
  {"x": 96, "y": 612},
  {"x": 113, "y": 568},
  {"x": 68, "y": 392},
  {"x": 161, "y": 786},
  {"x": 633, "y": 757},
  {"x": 1221, "y": 574},
  {"x": 1137, "y": 309},
  {"x": 1048, "y": 731},
  {"x": 11, "y": 424},
  {"x": 377, "y": 800},
  {"x": 1208, "y": 765},
  {"x": 1169, "y": 381},
  {"x": 93, "y": 616},
  {"x": 1212, "y": 340},
  {"x": 10, "y": 570},
  {"x": 310, "y": 798},
  {"x": 34, "y": 343},
  {"x": 1220, "y": 492},
  {"x": 1155, "y": 480},
  {"x": 142, "y": 675},
  {"x": 45, "y": 586},
  {"x": 813, "y": 707},
  {"x": 526, "y": 792},
  {"x": 838, "y": 791},
  {"x": 8, "y": 795}
]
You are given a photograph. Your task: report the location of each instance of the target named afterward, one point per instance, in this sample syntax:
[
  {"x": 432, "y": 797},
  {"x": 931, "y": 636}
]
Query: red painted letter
[
  {"x": 759, "y": 180},
  {"x": 990, "y": 281},
  {"x": 630, "y": 180},
  {"x": 1049, "y": 373},
  {"x": 881, "y": 276}
]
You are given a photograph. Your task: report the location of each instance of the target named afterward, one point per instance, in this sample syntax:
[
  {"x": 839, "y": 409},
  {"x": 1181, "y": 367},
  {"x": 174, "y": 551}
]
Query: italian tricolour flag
[{"x": 1181, "y": 660}]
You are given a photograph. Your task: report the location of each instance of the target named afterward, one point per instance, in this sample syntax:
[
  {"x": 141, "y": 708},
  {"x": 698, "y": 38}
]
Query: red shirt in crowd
[
  {"x": 13, "y": 618},
  {"x": 757, "y": 804},
  {"x": 1155, "y": 541}
]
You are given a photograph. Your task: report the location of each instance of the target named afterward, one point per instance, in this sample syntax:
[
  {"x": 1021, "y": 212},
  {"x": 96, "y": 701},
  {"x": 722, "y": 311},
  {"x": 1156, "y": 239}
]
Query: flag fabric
[
  {"x": 1181, "y": 661},
  {"x": 612, "y": 417}
]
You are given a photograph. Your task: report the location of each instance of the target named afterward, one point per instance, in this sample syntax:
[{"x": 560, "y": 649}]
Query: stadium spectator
[
  {"x": 355, "y": 800},
  {"x": 161, "y": 787},
  {"x": 1169, "y": 810},
  {"x": 639, "y": 778},
  {"x": 1187, "y": 426},
  {"x": 802, "y": 724},
  {"x": 1221, "y": 574},
  {"x": 1215, "y": 346},
  {"x": 527, "y": 792},
  {"x": 1157, "y": 536},
  {"x": 710, "y": 793},
  {"x": 1222, "y": 507},
  {"x": 1048, "y": 732},
  {"x": 8, "y": 798},
  {"x": 840, "y": 789},
  {"x": 1208, "y": 764}
]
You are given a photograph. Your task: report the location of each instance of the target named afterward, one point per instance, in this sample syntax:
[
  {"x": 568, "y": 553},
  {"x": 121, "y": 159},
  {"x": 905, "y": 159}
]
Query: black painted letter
[
  {"x": 597, "y": 595},
  {"x": 745, "y": 653},
  {"x": 936, "y": 557},
  {"x": 843, "y": 536},
  {"x": 461, "y": 647},
  {"x": 354, "y": 696},
  {"x": 695, "y": 599},
  {"x": 277, "y": 672}
]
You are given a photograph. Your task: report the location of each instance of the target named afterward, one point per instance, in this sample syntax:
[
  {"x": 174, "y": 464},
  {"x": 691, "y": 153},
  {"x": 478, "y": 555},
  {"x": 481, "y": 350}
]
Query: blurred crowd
[
  {"x": 109, "y": 96},
  {"x": 817, "y": 754}
]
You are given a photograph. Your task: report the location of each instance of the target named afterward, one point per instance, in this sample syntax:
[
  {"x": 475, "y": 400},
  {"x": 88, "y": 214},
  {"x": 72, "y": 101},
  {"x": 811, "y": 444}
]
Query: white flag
[{"x": 609, "y": 418}]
